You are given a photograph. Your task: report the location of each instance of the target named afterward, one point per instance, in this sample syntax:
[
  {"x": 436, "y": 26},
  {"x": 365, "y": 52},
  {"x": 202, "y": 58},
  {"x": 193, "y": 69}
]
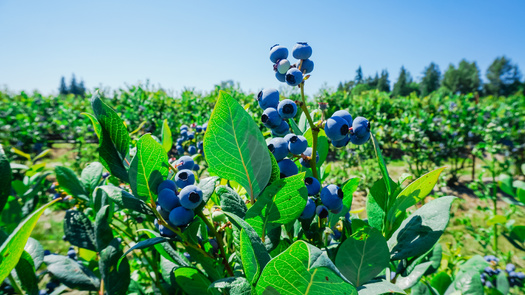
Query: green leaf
[
  {"x": 13, "y": 247},
  {"x": 191, "y": 280},
  {"x": 468, "y": 283},
  {"x": 322, "y": 144},
  {"x": 363, "y": 256},
  {"x": 421, "y": 230},
  {"x": 231, "y": 284},
  {"x": 280, "y": 203},
  {"x": 126, "y": 200},
  {"x": 231, "y": 201},
  {"x": 235, "y": 148},
  {"x": 70, "y": 183},
  {"x": 518, "y": 233},
  {"x": 71, "y": 273},
  {"x": 379, "y": 287},
  {"x": 505, "y": 184},
  {"x": 496, "y": 219},
  {"x": 213, "y": 268},
  {"x": 253, "y": 253},
  {"x": 276, "y": 171},
  {"x": 167, "y": 140},
  {"x": 414, "y": 276},
  {"x": 114, "y": 138},
  {"x": 207, "y": 185},
  {"x": 382, "y": 165},
  {"x": 103, "y": 232},
  {"x": 5, "y": 179},
  {"x": 349, "y": 187},
  {"x": 414, "y": 193},
  {"x": 302, "y": 269},
  {"x": 375, "y": 214},
  {"x": 423, "y": 289},
  {"x": 95, "y": 123},
  {"x": 148, "y": 169},
  {"x": 476, "y": 263},
  {"x": 91, "y": 176},
  {"x": 25, "y": 271},
  {"x": 36, "y": 251},
  {"x": 116, "y": 279},
  {"x": 502, "y": 283},
  {"x": 441, "y": 281},
  {"x": 79, "y": 230}
]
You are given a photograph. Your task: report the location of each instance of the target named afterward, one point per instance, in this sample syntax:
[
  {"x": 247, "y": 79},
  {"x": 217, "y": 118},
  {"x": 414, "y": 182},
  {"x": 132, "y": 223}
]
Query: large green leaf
[
  {"x": 280, "y": 203},
  {"x": 36, "y": 251},
  {"x": 25, "y": 271},
  {"x": 148, "y": 169},
  {"x": 5, "y": 179},
  {"x": 421, "y": 230},
  {"x": 167, "y": 140},
  {"x": 302, "y": 269},
  {"x": 125, "y": 200},
  {"x": 79, "y": 230},
  {"x": 70, "y": 183},
  {"x": 231, "y": 201},
  {"x": 467, "y": 283},
  {"x": 363, "y": 256},
  {"x": 191, "y": 280},
  {"x": 235, "y": 148},
  {"x": 12, "y": 248},
  {"x": 114, "y": 138},
  {"x": 441, "y": 281},
  {"x": 71, "y": 273},
  {"x": 379, "y": 287},
  {"x": 116, "y": 279},
  {"x": 91, "y": 176},
  {"x": 349, "y": 187},
  {"x": 414, "y": 193},
  {"x": 405, "y": 282}
]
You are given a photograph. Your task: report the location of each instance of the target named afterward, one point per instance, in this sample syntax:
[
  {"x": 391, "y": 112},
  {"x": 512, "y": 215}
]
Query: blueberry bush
[{"x": 190, "y": 205}]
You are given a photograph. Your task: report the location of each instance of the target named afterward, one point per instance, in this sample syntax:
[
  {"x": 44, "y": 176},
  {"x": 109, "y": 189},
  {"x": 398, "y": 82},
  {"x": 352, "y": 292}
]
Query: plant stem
[
  {"x": 219, "y": 241},
  {"x": 14, "y": 284},
  {"x": 315, "y": 133}
]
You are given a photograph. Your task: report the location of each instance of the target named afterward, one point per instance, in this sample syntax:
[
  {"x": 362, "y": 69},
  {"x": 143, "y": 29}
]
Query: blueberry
[
  {"x": 196, "y": 167},
  {"x": 280, "y": 77},
  {"x": 191, "y": 135},
  {"x": 312, "y": 185},
  {"x": 321, "y": 211},
  {"x": 302, "y": 50},
  {"x": 282, "y": 66},
  {"x": 278, "y": 52},
  {"x": 198, "y": 129},
  {"x": 105, "y": 175},
  {"x": 307, "y": 66},
  {"x": 336, "y": 128},
  {"x": 72, "y": 254},
  {"x": 282, "y": 130},
  {"x": 294, "y": 77},
  {"x": 180, "y": 141},
  {"x": 361, "y": 128},
  {"x": 181, "y": 216},
  {"x": 270, "y": 118},
  {"x": 190, "y": 197},
  {"x": 359, "y": 140},
  {"x": 332, "y": 196},
  {"x": 268, "y": 98},
  {"x": 200, "y": 145},
  {"x": 287, "y": 168},
  {"x": 338, "y": 209},
  {"x": 214, "y": 245},
  {"x": 510, "y": 267},
  {"x": 42, "y": 292},
  {"x": 184, "y": 127},
  {"x": 308, "y": 153},
  {"x": 166, "y": 184},
  {"x": 341, "y": 143},
  {"x": 337, "y": 236},
  {"x": 520, "y": 275},
  {"x": 185, "y": 162},
  {"x": 345, "y": 115},
  {"x": 278, "y": 148},
  {"x": 47, "y": 252},
  {"x": 297, "y": 144},
  {"x": 166, "y": 232},
  {"x": 192, "y": 150},
  {"x": 488, "y": 284},
  {"x": 180, "y": 150},
  {"x": 204, "y": 126},
  {"x": 287, "y": 109},
  {"x": 184, "y": 135},
  {"x": 309, "y": 209},
  {"x": 184, "y": 178},
  {"x": 165, "y": 213},
  {"x": 167, "y": 199}
]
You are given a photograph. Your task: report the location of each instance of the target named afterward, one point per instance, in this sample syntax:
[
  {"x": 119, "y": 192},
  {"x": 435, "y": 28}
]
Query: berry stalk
[{"x": 315, "y": 132}]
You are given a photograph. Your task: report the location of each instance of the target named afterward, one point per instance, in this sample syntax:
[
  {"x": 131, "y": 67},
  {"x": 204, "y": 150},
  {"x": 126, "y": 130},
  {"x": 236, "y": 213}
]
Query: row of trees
[
  {"x": 74, "y": 87},
  {"x": 503, "y": 78}
]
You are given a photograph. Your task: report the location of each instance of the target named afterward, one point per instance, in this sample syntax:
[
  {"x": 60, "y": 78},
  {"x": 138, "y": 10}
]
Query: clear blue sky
[{"x": 198, "y": 44}]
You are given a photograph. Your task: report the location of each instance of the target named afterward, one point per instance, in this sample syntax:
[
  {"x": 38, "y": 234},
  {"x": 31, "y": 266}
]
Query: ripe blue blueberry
[
  {"x": 166, "y": 184},
  {"x": 72, "y": 254},
  {"x": 307, "y": 66},
  {"x": 185, "y": 162},
  {"x": 184, "y": 134},
  {"x": 180, "y": 149},
  {"x": 185, "y": 177},
  {"x": 204, "y": 126},
  {"x": 332, "y": 196},
  {"x": 200, "y": 145},
  {"x": 345, "y": 115},
  {"x": 192, "y": 150},
  {"x": 166, "y": 232},
  {"x": 336, "y": 128},
  {"x": 287, "y": 137},
  {"x": 282, "y": 130},
  {"x": 190, "y": 197},
  {"x": 510, "y": 267},
  {"x": 196, "y": 167},
  {"x": 294, "y": 77},
  {"x": 321, "y": 211},
  {"x": 359, "y": 140},
  {"x": 308, "y": 153},
  {"x": 287, "y": 109},
  {"x": 309, "y": 209},
  {"x": 280, "y": 77},
  {"x": 282, "y": 66},
  {"x": 167, "y": 199},
  {"x": 312, "y": 185},
  {"x": 180, "y": 141},
  {"x": 278, "y": 52},
  {"x": 184, "y": 127},
  {"x": 191, "y": 135},
  {"x": 302, "y": 50},
  {"x": 268, "y": 98},
  {"x": 270, "y": 118},
  {"x": 341, "y": 143},
  {"x": 287, "y": 168},
  {"x": 198, "y": 129},
  {"x": 297, "y": 144},
  {"x": 165, "y": 214},
  {"x": 361, "y": 127},
  {"x": 278, "y": 148}
]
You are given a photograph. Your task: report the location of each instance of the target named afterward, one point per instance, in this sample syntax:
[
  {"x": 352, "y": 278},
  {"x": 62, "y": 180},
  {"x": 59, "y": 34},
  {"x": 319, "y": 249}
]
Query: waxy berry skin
[
  {"x": 185, "y": 177},
  {"x": 287, "y": 168},
  {"x": 278, "y": 52},
  {"x": 287, "y": 109},
  {"x": 294, "y": 77},
  {"x": 312, "y": 185},
  {"x": 167, "y": 199},
  {"x": 302, "y": 50},
  {"x": 336, "y": 128},
  {"x": 268, "y": 98},
  {"x": 309, "y": 209},
  {"x": 190, "y": 197},
  {"x": 181, "y": 216},
  {"x": 307, "y": 66},
  {"x": 345, "y": 115},
  {"x": 270, "y": 118},
  {"x": 278, "y": 148},
  {"x": 332, "y": 196},
  {"x": 297, "y": 144}
]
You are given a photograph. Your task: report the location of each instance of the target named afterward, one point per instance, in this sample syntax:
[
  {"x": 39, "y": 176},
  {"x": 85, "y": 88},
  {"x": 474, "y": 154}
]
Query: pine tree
[
  {"x": 63, "y": 88},
  {"x": 82, "y": 89},
  {"x": 73, "y": 88},
  {"x": 383, "y": 84},
  {"x": 402, "y": 86},
  {"x": 504, "y": 77},
  {"x": 359, "y": 76},
  {"x": 431, "y": 79},
  {"x": 450, "y": 79},
  {"x": 468, "y": 77}
]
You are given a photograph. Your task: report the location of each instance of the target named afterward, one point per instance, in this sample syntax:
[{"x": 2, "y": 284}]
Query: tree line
[
  {"x": 503, "y": 79},
  {"x": 74, "y": 87}
]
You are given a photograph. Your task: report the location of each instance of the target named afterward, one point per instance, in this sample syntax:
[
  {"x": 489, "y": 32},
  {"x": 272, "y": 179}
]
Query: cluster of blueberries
[
  {"x": 488, "y": 277},
  {"x": 188, "y": 135},
  {"x": 292, "y": 74},
  {"x": 276, "y": 112},
  {"x": 342, "y": 129},
  {"x": 177, "y": 199},
  {"x": 331, "y": 198}
]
